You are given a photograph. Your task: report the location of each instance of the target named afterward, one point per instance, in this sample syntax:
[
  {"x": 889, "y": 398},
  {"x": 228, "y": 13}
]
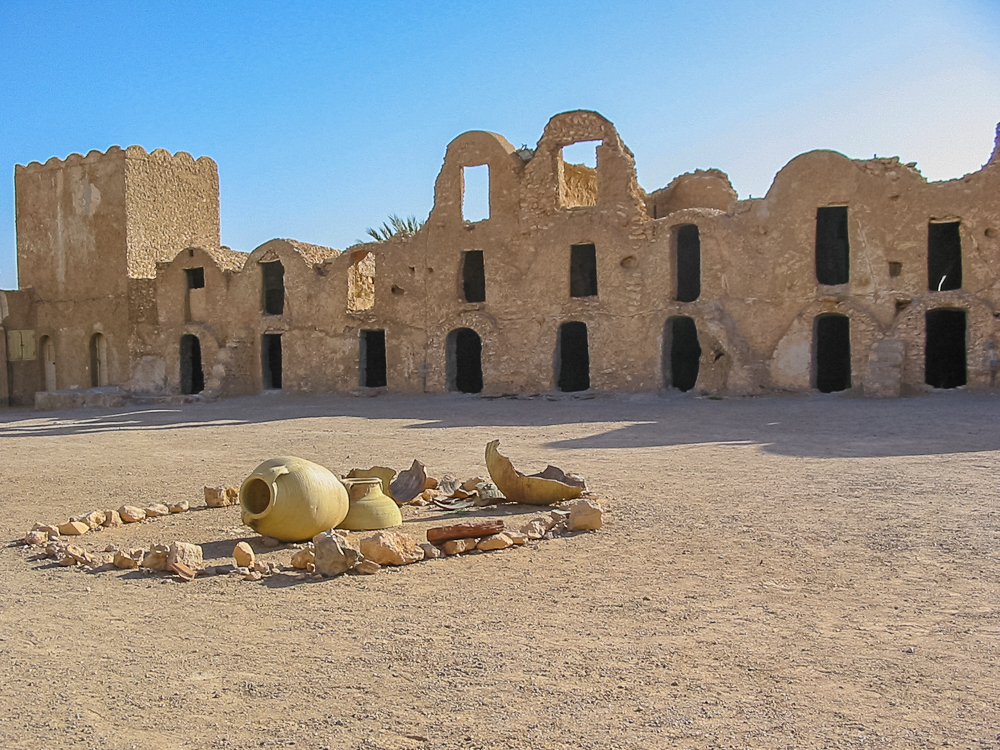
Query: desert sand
[{"x": 807, "y": 572}]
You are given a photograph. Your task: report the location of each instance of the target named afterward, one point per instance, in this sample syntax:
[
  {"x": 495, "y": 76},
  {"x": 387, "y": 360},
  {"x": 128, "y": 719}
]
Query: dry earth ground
[{"x": 815, "y": 572}]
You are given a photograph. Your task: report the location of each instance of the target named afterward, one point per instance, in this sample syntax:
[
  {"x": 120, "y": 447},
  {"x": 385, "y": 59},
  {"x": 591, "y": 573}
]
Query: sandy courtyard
[{"x": 816, "y": 572}]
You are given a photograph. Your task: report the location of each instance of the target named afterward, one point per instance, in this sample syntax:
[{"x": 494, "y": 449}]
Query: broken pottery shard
[
  {"x": 73, "y": 528},
  {"x": 410, "y": 483},
  {"x": 430, "y": 483},
  {"x": 189, "y": 555},
  {"x": 303, "y": 558},
  {"x": 487, "y": 493},
  {"x": 447, "y": 485},
  {"x": 469, "y": 485},
  {"x": 131, "y": 514},
  {"x": 520, "y": 488},
  {"x": 156, "y": 510},
  {"x": 585, "y": 515},
  {"x": 391, "y": 548},
  {"x": 334, "y": 554},
  {"x": 468, "y": 530},
  {"x": 243, "y": 555},
  {"x": 181, "y": 506},
  {"x": 183, "y": 572},
  {"x": 496, "y": 541},
  {"x": 33, "y": 538},
  {"x": 232, "y": 494},
  {"x": 430, "y": 551},
  {"x": 112, "y": 519},
  {"x": 382, "y": 472},
  {"x": 93, "y": 519},
  {"x": 459, "y": 546},
  {"x": 553, "y": 472}
]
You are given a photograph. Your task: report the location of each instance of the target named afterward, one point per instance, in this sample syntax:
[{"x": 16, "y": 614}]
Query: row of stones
[
  {"x": 336, "y": 551},
  {"x": 42, "y": 533}
]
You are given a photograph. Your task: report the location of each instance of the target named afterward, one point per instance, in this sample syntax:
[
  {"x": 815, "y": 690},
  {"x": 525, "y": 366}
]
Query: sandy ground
[{"x": 816, "y": 572}]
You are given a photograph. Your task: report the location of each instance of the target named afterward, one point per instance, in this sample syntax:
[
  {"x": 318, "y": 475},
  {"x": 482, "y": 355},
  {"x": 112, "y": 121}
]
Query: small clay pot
[{"x": 370, "y": 508}]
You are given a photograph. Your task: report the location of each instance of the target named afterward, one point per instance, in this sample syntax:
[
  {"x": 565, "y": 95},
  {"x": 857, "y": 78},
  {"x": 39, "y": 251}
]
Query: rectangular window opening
[
  {"x": 195, "y": 278},
  {"x": 476, "y": 193},
  {"x": 583, "y": 271},
  {"x": 473, "y": 276},
  {"x": 273, "y": 287},
  {"x": 371, "y": 359},
  {"x": 270, "y": 360},
  {"x": 578, "y": 174},
  {"x": 688, "y": 262},
  {"x": 895, "y": 268},
  {"x": 944, "y": 256},
  {"x": 833, "y": 250}
]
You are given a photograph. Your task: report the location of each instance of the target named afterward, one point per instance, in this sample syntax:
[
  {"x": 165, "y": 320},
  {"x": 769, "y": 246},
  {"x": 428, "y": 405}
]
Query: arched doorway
[
  {"x": 465, "y": 361},
  {"x": 832, "y": 353},
  {"x": 572, "y": 357},
  {"x": 48, "y": 348},
  {"x": 98, "y": 361},
  {"x": 681, "y": 353},
  {"x": 192, "y": 374}
]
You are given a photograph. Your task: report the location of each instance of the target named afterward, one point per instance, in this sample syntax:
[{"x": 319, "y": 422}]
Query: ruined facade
[{"x": 855, "y": 276}]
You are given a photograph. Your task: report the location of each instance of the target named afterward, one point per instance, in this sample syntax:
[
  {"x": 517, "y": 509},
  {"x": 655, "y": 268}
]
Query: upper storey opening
[
  {"x": 578, "y": 174},
  {"x": 476, "y": 193}
]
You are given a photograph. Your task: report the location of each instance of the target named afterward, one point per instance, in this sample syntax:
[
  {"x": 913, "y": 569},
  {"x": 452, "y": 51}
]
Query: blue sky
[{"x": 324, "y": 117}]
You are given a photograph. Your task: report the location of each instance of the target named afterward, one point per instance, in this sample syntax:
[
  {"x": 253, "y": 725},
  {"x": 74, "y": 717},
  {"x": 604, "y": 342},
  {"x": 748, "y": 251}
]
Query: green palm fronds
[{"x": 395, "y": 226}]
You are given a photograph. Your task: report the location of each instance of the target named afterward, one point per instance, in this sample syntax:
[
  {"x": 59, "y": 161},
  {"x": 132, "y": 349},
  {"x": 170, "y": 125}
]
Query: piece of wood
[{"x": 467, "y": 530}]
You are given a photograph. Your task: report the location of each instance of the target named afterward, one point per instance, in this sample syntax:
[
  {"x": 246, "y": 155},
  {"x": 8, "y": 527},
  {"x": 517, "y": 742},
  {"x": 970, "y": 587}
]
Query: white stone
[
  {"x": 187, "y": 554},
  {"x": 585, "y": 515}
]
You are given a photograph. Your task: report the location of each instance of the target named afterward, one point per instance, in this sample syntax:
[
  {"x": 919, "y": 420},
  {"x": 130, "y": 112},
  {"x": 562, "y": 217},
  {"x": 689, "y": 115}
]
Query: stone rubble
[
  {"x": 333, "y": 554},
  {"x": 585, "y": 515},
  {"x": 244, "y": 555},
  {"x": 73, "y": 528},
  {"x": 390, "y": 548},
  {"x": 157, "y": 510},
  {"x": 131, "y": 514}
]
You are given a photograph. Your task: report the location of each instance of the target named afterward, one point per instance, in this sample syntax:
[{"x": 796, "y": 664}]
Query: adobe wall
[
  {"x": 754, "y": 318},
  {"x": 89, "y": 227}
]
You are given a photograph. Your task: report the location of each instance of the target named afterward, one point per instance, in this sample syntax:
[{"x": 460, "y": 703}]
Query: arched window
[{"x": 98, "y": 360}]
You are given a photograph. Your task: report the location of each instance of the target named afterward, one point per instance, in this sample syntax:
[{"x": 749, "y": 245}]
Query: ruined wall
[{"x": 682, "y": 288}]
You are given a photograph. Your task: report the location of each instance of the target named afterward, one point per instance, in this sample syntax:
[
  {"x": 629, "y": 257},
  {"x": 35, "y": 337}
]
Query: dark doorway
[
  {"x": 465, "y": 361},
  {"x": 944, "y": 352},
  {"x": 270, "y": 360},
  {"x": 273, "y": 287},
  {"x": 682, "y": 353},
  {"x": 944, "y": 256},
  {"x": 832, "y": 353},
  {"x": 572, "y": 357},
  {"x": 192, "y": 374},
  {"x": 473, "y": 276},
  {"x": 98, "y": 361},
  {"x": 688, "y": 262},
  {"x": 371, "y": 359},
  {"x": 833, "y": 249},
  {"x": 583, "y": 271}
]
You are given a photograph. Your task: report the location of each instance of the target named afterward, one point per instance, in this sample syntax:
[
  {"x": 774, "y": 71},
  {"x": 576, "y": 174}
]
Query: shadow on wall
[{"x": 815, "y": 426}]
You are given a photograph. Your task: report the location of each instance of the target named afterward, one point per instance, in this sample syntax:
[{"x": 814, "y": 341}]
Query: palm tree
[{"x": 395, "y": 226}]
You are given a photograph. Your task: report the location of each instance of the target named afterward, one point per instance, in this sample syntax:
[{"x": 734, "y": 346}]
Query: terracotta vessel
[
  {"x": 292, "y": 499},
  {"x": 370, "y": 507}
]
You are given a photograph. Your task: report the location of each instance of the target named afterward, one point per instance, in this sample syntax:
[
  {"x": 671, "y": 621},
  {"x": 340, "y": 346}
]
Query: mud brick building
[{"x": 849, "y": 275}]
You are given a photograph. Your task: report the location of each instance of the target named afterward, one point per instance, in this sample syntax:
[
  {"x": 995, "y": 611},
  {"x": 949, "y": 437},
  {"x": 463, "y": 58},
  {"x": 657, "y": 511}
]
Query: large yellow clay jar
[
  {"x": 292, "y": 499},
  {"x": 370, "y": 507}
]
